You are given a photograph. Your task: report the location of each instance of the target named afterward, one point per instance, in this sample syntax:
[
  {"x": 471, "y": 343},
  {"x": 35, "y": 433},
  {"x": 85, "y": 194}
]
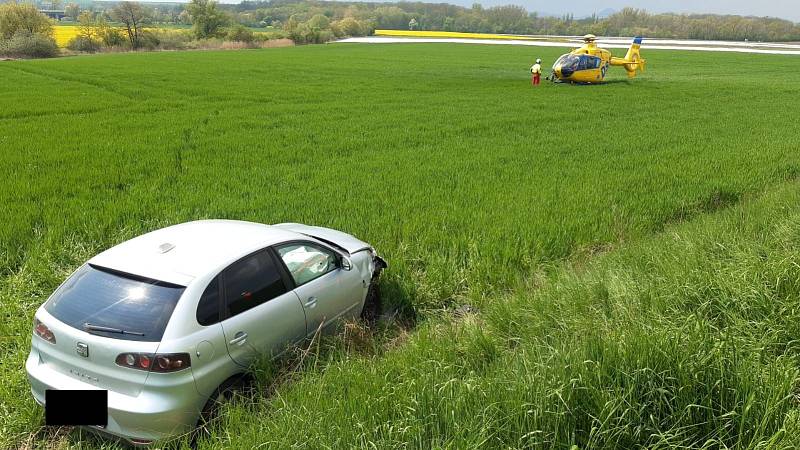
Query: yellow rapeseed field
[
  {"x": 448, "y": 34},
  {"x": 63, "y": 33}
]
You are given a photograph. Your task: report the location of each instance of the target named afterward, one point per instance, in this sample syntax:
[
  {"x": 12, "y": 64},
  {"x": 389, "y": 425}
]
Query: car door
[
  {"x": 325, "y": 289},
  {"x": 262, "y": 316}
]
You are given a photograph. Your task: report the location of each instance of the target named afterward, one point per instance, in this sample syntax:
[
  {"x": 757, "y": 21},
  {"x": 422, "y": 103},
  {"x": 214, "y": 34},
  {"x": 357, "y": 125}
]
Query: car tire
[
  {"x": 222, "y": 395},
  {"x": 372, "y": 303}
]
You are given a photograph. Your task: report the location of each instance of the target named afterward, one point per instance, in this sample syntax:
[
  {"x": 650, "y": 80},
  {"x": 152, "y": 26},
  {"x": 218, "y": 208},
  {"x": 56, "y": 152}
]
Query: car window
[
  {"x": 136, "y": 308},
  {"x": 251, "y": 282},
  {"x": 306, "y": 261},
  {"x": 208, "y": 307}
]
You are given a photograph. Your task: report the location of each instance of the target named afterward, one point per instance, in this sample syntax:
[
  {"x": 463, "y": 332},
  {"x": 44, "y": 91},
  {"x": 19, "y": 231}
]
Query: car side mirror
[{"x": 345, "y": 263}]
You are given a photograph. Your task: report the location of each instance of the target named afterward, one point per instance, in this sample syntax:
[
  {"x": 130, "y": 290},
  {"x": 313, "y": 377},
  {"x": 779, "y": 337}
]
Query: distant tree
[
  {"x": 207, "y": 19},
  {"x": 291, "y": 24},
  {"x": 390, "y": 17},
  {"x": 448, "y": 24},
  {"x": 185, "y": 18},
  {"x": 25, "y": 32},
  {"x": 319, "y": 22},
  {"x": 508, "y": 19},
  {"x": 350, "y": 26},
  {"x": 133, "y": 15},
  {"x": 17, "y": 17},
  {"x": 108, "y": 35},
  {"x": 240, "y": 33},
  {"x": 86, "y": 25},
  {"x": 86, "y": 40},
  {"x": 72, "y": 10},
  {"x": 25, "y": 44}
]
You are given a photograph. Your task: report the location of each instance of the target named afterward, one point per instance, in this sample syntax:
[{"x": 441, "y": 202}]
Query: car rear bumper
[{"x": 139, "y": 420}]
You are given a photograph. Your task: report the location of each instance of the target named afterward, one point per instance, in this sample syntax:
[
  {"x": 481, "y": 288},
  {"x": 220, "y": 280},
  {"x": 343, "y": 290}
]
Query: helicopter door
[{"x": 589, "y": 62}]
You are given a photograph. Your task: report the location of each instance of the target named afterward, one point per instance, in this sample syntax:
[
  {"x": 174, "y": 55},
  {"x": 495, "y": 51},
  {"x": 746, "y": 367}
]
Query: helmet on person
[{"x": 538, "y": 61}]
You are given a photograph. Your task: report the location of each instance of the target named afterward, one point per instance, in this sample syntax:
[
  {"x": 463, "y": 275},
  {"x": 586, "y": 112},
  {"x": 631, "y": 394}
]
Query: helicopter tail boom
[{"x": 633, "y": 60}]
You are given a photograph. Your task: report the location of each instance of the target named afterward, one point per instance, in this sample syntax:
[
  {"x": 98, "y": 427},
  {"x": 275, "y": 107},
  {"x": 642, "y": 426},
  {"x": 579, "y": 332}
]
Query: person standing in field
[{"x": 536, "y": 72}]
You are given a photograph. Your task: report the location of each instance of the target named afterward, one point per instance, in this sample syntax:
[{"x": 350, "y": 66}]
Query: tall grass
[
  {"x": 443, "y": 157},
  {"x": 683, "y": 340},
  {"x": 467, "y": 180}
]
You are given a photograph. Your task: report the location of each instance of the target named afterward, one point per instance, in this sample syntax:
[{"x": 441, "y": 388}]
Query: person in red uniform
[{"x": 536, "y": 72}]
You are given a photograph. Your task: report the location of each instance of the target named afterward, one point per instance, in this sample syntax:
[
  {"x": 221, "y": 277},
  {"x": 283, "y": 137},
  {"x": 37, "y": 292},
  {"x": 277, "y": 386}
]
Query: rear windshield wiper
[{"x": 90, "y": 327}]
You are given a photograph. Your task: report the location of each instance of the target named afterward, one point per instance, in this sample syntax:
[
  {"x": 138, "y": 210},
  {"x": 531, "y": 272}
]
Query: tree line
[
  {"x": 24, "y": 32},
  {"x": 128, "y": 25},
  {"x": 511, "y": 19}
]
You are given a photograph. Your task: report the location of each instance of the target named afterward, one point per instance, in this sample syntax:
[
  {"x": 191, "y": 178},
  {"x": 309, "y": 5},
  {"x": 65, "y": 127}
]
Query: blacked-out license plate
[{"x": 76, "y": 407}]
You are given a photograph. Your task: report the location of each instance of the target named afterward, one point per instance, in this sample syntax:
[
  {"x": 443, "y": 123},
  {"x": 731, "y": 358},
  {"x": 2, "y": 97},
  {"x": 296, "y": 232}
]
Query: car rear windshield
[{"x": 114, "y": 304}]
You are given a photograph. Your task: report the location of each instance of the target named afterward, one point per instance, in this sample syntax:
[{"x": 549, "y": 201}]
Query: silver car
[{"x": 164, "y": 322}]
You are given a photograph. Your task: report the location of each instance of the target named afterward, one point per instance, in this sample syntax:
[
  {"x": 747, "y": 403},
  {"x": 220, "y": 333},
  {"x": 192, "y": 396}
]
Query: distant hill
[{"x": 606, "y": 13}]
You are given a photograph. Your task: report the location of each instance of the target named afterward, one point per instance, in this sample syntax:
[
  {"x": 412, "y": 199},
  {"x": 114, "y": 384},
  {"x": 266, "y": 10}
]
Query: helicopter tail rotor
[{"x": 633, "y": 59}]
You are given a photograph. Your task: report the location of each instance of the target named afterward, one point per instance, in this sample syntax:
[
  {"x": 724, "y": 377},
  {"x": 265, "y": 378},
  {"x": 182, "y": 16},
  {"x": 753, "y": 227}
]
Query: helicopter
[{"x": 589, "y": 64}]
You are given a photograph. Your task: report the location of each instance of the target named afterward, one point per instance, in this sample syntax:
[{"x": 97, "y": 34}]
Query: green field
[{"x": 631, "y": 248}]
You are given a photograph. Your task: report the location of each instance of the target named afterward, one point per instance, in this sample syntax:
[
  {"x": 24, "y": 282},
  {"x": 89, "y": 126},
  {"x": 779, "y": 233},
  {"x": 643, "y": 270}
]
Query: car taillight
[
  {"x": 43, "y": 332},
  {"x": 171, "y": 362}
]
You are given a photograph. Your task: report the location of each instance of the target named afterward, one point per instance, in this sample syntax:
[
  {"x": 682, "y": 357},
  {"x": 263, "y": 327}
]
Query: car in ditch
[{"x": 167, "y": 321}]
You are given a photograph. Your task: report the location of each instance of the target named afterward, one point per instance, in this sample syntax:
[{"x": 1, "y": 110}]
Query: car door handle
[
  {"x": 311, "y": 302},
  {"x": 239, "y": 339}
]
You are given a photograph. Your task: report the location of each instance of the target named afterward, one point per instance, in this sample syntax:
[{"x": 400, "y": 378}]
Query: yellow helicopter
[{"x": 589, "y": 64}]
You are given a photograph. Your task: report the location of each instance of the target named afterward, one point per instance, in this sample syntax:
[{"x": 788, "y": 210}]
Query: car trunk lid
[
  {"x": 90, "y": 358},
  {"x": 100, "y": 313}
]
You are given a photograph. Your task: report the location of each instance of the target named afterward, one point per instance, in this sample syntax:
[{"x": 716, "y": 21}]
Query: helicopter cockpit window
[{"x": 569, "y": 63}]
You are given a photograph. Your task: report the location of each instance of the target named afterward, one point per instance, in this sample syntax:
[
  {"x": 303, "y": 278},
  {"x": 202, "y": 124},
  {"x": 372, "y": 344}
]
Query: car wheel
[
  {"x": 372, "y": 304},
  {"x": 222, "y": 395}
]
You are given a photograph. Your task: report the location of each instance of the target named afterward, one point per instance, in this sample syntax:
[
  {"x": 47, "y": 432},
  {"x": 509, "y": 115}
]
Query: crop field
[
  {"x": 64, "y": 33},
  {"x": 629, "y": 250},
  {"x": 451, "y": 34}
]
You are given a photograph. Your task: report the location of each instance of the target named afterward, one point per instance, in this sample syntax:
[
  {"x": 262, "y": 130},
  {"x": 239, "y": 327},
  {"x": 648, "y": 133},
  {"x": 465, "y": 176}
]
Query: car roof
[{"x": 180, "y": 253}]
